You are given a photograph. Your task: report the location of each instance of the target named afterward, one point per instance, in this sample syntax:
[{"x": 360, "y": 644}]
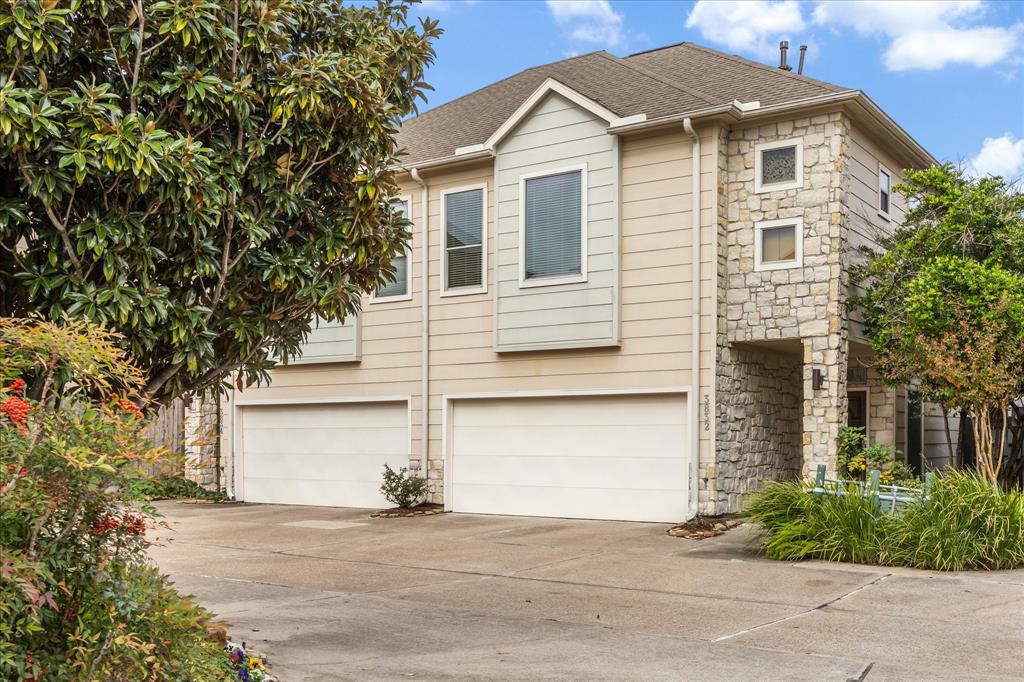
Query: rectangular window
[
  {"x": 465, "y": 257},
  {"x": 778, "y": 166},
  {"x": 398, "y": 288},
  {"x": 553, "y": 227},
  {"x": 884, "y": 183},
  {"x": 778, "y": 244}
]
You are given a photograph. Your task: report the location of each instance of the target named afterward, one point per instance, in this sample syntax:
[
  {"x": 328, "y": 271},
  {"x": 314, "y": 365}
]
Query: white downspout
[
  {"x": 425, "y": 327},
  {"x": 693, "y": 400}
]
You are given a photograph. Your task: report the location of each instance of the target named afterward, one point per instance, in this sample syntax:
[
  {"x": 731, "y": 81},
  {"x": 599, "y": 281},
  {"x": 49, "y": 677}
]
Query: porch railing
[{"x": 889, "y": 498}]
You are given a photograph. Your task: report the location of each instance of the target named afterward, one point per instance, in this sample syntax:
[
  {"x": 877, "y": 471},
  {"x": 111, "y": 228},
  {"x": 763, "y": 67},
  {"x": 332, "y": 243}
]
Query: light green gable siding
[
  {"x": 331, "y": 342},
  {"x": 556, "y": 135}
]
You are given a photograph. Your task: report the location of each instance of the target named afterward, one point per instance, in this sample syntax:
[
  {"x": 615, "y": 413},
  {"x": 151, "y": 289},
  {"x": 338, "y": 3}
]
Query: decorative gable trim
[{"x": 549, "y": 86}]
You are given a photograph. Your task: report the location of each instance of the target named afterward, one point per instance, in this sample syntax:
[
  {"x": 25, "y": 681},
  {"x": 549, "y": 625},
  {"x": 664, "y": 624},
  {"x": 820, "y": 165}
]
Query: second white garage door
[
  {"x": 328, "y": 454},
  {"x": 610, "y": 457}
]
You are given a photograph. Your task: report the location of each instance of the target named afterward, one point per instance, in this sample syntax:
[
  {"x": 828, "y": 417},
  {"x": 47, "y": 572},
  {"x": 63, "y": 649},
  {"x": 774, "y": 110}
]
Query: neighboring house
[{"x": 624, "y": 298}]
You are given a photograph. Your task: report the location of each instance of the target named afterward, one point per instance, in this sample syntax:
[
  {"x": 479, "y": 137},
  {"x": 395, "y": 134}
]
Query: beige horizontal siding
[{"x": 655, "y": 306}]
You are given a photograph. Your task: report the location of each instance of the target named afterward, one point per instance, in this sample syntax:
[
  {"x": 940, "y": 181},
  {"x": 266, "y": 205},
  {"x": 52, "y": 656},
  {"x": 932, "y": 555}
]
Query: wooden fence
[{"x": 166, "y": 429}]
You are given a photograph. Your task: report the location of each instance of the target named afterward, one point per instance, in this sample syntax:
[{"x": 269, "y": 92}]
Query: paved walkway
[{"x": 331, "y": 594}]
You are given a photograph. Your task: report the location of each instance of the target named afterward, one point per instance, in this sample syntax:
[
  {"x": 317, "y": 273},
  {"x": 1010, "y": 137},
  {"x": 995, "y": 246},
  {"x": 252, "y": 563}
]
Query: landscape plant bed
[
  {"x": 966, "y": 522},
  {"x": 424, "y": 509},
  {"x": 701, "y": 527}
]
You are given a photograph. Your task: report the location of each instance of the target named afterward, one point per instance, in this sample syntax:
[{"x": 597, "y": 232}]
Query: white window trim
[
  {"x": 798, "y": 224},
  {"x": 463, "y": 291},
  {"x": 407, "y": 296},
  {"x": 797, "y": 183},
  {"x": 584, "y": 219},
  {"x": 878, "y": 195}
]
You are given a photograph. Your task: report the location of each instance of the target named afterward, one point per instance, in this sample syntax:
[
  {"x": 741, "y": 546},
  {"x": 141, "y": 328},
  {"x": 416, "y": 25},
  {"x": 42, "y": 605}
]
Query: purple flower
[{"x": 243, "y": 675}]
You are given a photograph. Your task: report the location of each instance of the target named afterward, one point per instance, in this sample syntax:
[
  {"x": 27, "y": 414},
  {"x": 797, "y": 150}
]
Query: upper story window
[
  {"x": 778, "y": 244},
  {"x": 464, "y": 261},
  {"x": 884, "y": 188},
  {"x": 779, "y": 165},
  {"x": 553, "y": 227},
  {"x": 399, "y": 288}
]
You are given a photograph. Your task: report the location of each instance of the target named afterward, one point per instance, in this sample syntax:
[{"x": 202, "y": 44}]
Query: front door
[{"x": 858, "y": 416}]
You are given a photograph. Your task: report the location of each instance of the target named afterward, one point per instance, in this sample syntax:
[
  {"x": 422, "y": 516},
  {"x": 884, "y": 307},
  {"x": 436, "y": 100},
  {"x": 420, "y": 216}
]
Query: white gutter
[
  {"x": 738, "y": 112},
  {"x": 425, "y": 327},
  {"x": 693, "y": 400}
]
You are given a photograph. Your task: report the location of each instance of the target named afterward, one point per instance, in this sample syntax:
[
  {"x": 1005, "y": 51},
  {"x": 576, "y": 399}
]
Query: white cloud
[
  {"x": 923, "y": 34},
  {"x": 443, "y": 5},
  {"x": 930, "y": 50},
  {"x": 589, "y": 21},
  {"x": 1000, "y": 156},
  {"x": 746, "y": 25}
]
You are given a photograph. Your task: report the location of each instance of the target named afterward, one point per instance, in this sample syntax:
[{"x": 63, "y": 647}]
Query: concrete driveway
[{"x": 332, "y": 594}]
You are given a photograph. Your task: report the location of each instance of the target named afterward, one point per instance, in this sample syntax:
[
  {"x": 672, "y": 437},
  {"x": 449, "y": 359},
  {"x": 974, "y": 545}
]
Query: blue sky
[{"x": 951, "y": 73}]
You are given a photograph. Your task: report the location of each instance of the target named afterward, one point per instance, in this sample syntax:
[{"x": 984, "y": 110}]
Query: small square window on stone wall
[
  {"x": 778, "y": 244},
  {"x": 778, "y": 166}
]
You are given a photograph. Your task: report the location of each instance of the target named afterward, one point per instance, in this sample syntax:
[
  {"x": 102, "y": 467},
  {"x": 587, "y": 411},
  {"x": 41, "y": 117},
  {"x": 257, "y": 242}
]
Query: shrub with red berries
[
  {"x": 17, "y": 409},
  {"x": 73, "y": 563}
]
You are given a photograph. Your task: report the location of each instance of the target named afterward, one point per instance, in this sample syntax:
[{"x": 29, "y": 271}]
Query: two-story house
[{"x": 624, "y": 298}]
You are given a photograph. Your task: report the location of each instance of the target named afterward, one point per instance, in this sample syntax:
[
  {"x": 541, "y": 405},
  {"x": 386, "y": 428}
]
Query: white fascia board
[{"x": 549, "y": 86}]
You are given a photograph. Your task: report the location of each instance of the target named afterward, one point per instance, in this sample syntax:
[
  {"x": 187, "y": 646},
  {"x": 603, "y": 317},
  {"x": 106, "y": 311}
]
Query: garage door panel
[
  {"x": 650, "y": 441},
  {"x": 365, "y": 467},
  {"x": 339, "y": 440},
  {"x": 600, "y": 503},
  {"x": 329, "y": 454},
  {"x": 634, "y": 473},
  {"x": 608, "y": 457},
  {"x": 579, "y": 411},
  {"x": 318, "y": 415},
  {"x": 315, "y": 492}
]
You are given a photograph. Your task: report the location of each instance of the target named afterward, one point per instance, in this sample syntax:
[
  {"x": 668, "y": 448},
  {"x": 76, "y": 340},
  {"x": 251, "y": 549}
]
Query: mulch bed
[
  {"x": 425, "y": 509},
  {"x": 702, "y": 527}
]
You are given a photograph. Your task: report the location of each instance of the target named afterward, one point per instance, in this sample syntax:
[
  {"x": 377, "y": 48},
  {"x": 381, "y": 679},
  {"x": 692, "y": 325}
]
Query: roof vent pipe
[
  {"x": 783, "y": 48},
  {"x": 803, "y": 55}
]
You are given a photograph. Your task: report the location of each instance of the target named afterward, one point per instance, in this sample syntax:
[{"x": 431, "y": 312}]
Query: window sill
[
  {"x": 781, "y": 265},
  {"x": 452, "y": 293},
  {"x": 551, "y": 281},
  {"x": 781, "y": 187},
  {"x": 885, "y": 216},
  {"x": 390, "y": 299}
]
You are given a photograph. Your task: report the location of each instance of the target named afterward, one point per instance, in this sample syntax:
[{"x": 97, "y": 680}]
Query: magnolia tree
[
  {"x": 944, "y": 302},
  {"x": 204, "y": 176}
]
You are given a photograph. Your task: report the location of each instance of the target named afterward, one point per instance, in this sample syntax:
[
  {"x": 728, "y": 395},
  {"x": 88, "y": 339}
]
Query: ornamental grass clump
[
  {"x": 78, "y": 598},
  {"x": 799, "y": 525},
  {"x": 964, "y": 522}
]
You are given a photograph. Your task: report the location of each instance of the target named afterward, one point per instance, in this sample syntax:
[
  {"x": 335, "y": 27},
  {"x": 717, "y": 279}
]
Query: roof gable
[{"x": 549, "y": 86}]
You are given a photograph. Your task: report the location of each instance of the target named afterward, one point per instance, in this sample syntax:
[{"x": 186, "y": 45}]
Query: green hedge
[{"x": 966, "y": 523}]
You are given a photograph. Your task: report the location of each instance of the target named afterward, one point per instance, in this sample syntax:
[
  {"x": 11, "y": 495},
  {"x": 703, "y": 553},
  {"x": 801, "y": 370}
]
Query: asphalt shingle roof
[{"x": 669, "y": 80}]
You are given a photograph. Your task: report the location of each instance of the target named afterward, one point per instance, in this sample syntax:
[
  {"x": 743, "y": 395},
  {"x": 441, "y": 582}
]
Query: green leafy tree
[
  {"x": 944, "y": 302},
  {"x": 204, "y": 176}
]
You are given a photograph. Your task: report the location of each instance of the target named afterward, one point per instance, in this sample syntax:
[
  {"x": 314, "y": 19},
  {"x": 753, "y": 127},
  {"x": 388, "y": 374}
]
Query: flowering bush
[{"x": 78, "y": 600}]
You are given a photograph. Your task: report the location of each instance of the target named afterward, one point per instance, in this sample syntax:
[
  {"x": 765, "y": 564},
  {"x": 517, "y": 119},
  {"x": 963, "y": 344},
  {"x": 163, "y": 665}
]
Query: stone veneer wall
[
  {"x": 804, "y": 304},
  {"x": 758, "y": 434},
  {"x": 202, "y": 442}
]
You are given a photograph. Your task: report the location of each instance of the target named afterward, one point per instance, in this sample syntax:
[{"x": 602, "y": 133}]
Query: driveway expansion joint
[{"x": 819, "y": 607}]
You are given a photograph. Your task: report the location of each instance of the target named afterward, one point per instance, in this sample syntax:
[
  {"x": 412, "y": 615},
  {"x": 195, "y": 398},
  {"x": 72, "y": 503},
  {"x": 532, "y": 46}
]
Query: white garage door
[
  {"x": 324, "y": 454},
  {"x": 615, "y": 457}
]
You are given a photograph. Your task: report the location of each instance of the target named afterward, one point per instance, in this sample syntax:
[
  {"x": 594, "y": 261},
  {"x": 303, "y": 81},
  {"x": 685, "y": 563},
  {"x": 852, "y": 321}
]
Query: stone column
[
  {"x": 202, "y": 442},
  {"x": 825, "y": 410}
]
